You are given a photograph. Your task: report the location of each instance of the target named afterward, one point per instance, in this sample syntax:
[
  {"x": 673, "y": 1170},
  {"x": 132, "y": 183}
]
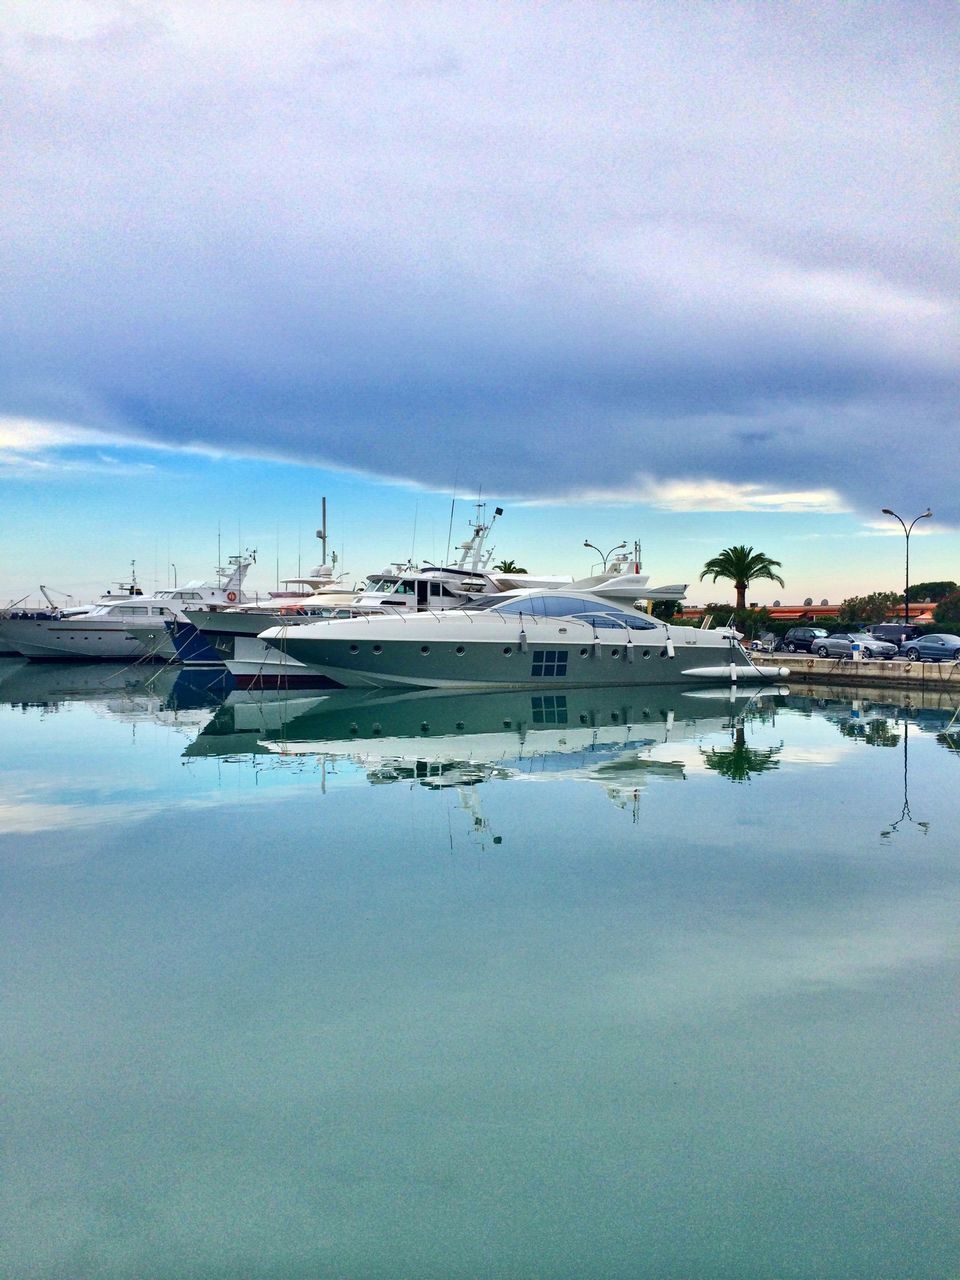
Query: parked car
[
  {"x": 840, "y": 645},
  {"x": 895, "y": 632},
  {"x": 937, "y": 648},
  {"x": 802, "y": 639}
]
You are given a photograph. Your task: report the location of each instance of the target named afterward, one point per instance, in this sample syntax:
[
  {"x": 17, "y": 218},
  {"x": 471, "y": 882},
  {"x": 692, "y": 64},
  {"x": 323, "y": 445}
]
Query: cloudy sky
[{"x": 679, "y": 272}]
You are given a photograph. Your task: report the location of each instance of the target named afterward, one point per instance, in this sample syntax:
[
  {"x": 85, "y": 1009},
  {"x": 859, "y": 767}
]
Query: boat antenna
[
  {"x": 453, "y": 503},
  {"x": 413, "y": 544}
]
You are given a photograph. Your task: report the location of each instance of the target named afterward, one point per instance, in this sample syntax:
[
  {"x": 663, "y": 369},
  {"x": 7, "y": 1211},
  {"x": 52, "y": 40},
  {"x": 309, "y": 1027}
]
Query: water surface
[{"x": 612, "y": 983}]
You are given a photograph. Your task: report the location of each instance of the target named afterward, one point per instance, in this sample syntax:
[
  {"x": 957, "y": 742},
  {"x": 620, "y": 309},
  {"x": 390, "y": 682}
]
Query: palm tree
[
  {"x": 742, "y": 565},
  {"x": 508, "y": 566}
]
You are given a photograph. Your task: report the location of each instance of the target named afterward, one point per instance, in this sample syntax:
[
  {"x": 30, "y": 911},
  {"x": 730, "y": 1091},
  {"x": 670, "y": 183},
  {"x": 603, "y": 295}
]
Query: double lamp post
[{"x": 907, "y": 530}]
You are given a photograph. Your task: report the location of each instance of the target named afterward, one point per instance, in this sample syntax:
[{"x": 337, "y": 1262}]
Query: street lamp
[
  {"x": 907, "y": 530},
  {"x": 603, "y": 557}
]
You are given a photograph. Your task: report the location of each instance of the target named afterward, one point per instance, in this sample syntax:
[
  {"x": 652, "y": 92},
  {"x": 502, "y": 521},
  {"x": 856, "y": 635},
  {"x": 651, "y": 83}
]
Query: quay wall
[{"x": 922, "y": 676}]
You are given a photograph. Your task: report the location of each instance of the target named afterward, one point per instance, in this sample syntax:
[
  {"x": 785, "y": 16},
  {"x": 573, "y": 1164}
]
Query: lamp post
[
  {"x": 603, "y": 557},
  {"x": 907, "y": 530}
]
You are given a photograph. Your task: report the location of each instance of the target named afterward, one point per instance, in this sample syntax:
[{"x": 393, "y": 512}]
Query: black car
[
  {"x": 895, "y": 632},
  {"x": 802, "y": 639}
]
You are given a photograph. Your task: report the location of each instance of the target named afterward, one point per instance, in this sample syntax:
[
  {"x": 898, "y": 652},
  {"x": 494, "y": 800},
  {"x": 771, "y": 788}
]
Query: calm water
[{"x": 612, "y": 984}]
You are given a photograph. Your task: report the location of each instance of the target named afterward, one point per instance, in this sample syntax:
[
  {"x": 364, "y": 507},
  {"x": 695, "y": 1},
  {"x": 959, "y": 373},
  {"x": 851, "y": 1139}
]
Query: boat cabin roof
[{"x": 561, "y": 604}]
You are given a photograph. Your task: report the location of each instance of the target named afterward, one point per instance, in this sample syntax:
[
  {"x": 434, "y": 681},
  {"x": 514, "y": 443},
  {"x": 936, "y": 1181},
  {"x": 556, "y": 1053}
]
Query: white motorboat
[
  {"x": 585, "y": 635},
  {"x": 124, "y": 626}
]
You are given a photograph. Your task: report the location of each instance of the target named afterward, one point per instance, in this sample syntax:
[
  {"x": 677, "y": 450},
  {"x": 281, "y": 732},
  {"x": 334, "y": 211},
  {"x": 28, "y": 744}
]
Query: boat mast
[{"x": 322, "y": 531}]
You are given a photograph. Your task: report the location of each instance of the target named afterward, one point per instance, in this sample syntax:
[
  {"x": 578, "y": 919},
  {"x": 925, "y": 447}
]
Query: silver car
[
  {"x": 840, "y": 645},
  {"x": 938, "y": 648}
]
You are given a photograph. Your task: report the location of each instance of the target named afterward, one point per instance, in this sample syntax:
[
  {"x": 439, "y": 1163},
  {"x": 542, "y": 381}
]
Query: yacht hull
[
  {"x": 255, "y": 665},
  {"x": 511, "y": 661},
  {"x": 69, "y": 640}
]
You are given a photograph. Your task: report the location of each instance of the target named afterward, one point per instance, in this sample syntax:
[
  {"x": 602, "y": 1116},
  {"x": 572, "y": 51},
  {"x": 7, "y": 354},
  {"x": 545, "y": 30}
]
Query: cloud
[
  {"x": 702, "y": 495},
  {"x": 32, "y": 450},
  {"x": 548, "y": 252}
]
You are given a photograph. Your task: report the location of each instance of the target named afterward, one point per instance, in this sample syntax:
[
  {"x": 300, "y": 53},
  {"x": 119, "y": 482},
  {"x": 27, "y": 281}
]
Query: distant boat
[{"x": 122, "y": 626}]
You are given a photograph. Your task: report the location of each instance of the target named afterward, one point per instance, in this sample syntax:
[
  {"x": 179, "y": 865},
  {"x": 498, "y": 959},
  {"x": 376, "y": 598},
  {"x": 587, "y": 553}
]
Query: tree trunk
[{"x": 741, "y": 595}]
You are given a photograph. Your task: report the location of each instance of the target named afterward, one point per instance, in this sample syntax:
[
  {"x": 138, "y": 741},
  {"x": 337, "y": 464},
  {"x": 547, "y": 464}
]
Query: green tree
[
  {"x": 665, "y": 610},
  {"x": 947, "y": 612},
  {"x": 934, "y": 591},
  {"x": 741, "y": 565},
  {"x": 508, "y": 566},
  {"x": 871, "y": 608}
]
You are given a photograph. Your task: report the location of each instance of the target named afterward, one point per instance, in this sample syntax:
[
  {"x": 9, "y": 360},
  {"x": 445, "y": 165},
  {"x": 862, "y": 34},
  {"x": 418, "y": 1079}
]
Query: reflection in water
[
  {"x": 616, "y": 737},
  {"x": 169, "y": 688},
  {"x": 740, "y": 761},
  {"x": 905, "y": 814}
]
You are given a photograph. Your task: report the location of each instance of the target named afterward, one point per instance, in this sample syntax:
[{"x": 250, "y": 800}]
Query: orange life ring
[
  {"x": 231, "y": 596},
  {"x": 809, "y": 662},
  {"x": 907, "y": 666}
]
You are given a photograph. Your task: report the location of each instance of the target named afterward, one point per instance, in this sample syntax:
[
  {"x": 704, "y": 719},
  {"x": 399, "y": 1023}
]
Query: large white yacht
[
  {"x": 590, "y": 633},
  {"x": 124, "y": 626},
  {"x": 401, "y": 589}
]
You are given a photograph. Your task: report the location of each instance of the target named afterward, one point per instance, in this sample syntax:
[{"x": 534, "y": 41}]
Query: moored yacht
[
  {"x": 401, "y": 589},
  {"x": 124, "y": 626},
  {"x": 585, "y": 634}
]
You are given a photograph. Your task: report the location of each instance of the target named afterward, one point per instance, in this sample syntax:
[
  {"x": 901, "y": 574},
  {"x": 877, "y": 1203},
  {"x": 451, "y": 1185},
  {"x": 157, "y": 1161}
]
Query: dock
[{"x": 933, "y": 677}]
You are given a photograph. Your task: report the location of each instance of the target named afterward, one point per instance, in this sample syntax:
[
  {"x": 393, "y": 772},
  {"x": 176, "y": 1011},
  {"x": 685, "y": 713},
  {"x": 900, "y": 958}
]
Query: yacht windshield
[{"x": 557, "y": 605}]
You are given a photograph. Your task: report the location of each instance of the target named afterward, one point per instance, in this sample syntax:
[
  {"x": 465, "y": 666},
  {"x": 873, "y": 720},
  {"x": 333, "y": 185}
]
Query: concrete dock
[{"x": 922, "y": 676}]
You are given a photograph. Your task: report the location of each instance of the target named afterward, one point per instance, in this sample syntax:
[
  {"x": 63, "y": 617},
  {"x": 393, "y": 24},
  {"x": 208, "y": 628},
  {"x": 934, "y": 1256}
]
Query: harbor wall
[{"x": 922, "y": 676}]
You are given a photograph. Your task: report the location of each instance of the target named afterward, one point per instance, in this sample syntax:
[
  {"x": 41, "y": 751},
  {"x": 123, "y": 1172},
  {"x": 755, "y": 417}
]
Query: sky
[{"x": 681, "y": 274}]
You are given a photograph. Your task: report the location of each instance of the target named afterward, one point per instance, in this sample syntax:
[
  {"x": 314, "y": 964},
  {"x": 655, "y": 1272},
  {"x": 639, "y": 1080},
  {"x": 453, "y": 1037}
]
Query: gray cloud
[{"x": 550, "y": 249}]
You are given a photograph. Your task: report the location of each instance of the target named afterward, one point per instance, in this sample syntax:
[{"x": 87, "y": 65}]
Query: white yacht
[
  {"x": 587, "y": 634},
  {"x": 401, "y": 589},
  {"x": 123, "y": 626}
]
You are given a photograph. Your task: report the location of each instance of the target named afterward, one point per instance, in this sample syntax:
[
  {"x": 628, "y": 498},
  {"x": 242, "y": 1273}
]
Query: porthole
[
  {"x": 378, "y": 648},
  {"x": 663, "y": 653},
  {"x": 584, "y": 653},
  {"x": 507, "y": 651},
  {"x": 646, "y": 653},
  {"x": 460, "y": 651},
  {"x": 354, "y": 648},
  {"x": 424, "y": 649},
  {"x": 614, "y": 653}
]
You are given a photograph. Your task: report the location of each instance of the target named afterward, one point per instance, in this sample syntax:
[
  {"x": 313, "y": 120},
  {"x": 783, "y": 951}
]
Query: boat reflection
[
  {"x": 618, "y": 737},
  {"x": 169, "y": 688}
]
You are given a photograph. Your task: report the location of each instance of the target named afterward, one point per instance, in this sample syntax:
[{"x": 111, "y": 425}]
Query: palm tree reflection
[{"x": 739, "y": 762}]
